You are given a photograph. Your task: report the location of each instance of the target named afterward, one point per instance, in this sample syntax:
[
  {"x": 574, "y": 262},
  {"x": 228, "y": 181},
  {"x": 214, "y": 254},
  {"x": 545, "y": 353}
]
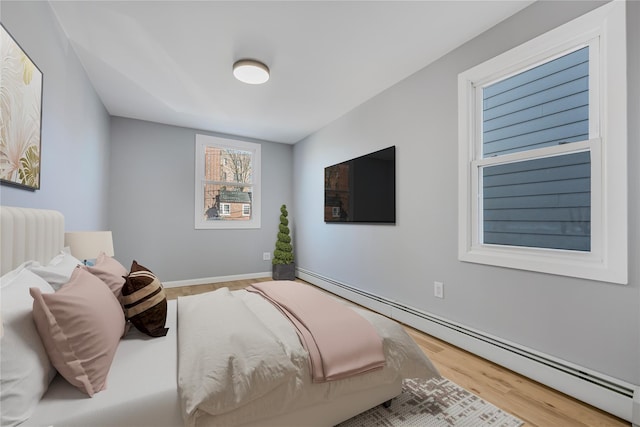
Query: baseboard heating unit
[{"x": 612, "y": 395}]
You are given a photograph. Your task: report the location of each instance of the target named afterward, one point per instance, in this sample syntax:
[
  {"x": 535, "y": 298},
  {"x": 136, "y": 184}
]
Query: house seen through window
[{"x": 226, "y": 182}]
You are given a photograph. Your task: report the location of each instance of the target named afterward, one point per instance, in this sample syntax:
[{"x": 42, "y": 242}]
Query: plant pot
[{"x": 284, "y": 271}]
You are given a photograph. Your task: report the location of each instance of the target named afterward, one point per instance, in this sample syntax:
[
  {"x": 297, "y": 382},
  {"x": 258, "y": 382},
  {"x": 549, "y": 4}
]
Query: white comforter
[{"x": 241, "y": 360}]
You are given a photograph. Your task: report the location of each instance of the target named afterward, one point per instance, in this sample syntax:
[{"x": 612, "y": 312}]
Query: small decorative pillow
[
  {"x": 110, "y": 271},
  {"x": 144, "y": 301},
  {"x": 80, "y": 326}
]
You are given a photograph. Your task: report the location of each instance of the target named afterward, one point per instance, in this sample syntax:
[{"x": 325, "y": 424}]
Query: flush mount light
[{"x": 251, "y": 71}]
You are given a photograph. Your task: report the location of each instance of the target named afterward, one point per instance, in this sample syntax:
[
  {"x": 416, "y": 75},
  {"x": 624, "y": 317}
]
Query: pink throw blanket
[{"x": 340, "y": 342}]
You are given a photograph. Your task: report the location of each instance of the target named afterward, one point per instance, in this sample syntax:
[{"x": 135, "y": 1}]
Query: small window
[
  {"x": 227, "y": 183},
  {"x": 542, "y": 153}
]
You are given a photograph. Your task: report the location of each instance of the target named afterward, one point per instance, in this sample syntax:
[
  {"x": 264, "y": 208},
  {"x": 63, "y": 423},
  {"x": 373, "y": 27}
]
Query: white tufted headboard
[{"x": 27, "y": 233}]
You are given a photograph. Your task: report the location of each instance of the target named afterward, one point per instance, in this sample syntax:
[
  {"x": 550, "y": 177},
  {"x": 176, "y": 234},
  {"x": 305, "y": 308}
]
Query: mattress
[{"x": 141, "y": 389}]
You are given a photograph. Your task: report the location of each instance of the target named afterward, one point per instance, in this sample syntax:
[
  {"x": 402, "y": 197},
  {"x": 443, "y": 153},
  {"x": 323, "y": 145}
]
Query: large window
[
  {"x": 227, "y": 183},
  {"x": 542, "y": 145},
  {"x": 540, "y": 197}
]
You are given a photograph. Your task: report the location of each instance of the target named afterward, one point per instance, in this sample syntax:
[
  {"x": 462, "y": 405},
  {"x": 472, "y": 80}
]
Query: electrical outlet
[
  {"x": 266, "y": 256},
  {"x": 438, "y": 289}
]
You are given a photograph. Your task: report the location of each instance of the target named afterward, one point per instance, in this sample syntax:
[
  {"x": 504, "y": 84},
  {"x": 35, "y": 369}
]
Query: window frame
[
  {"x": 225, "y": 209},
  {"x": 201, "y": 142},
  {"x": 603, "y": 29}
]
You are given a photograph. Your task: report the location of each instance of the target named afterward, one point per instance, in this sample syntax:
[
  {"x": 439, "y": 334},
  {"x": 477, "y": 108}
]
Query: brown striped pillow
[{"x": 144, "y": 301}]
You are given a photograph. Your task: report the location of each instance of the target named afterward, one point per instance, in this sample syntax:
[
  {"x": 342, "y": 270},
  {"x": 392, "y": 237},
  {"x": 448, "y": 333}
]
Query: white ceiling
[{"x": 170, "y": 61}]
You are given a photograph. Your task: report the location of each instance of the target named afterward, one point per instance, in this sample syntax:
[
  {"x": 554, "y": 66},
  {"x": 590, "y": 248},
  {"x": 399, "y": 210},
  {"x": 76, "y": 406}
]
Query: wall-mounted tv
[{"x": 362, "y": 190}]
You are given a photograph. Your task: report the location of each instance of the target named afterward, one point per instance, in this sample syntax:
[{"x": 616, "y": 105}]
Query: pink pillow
[
  {"x": 80, "y": 326},
  {"x": 110, "y": 271}
]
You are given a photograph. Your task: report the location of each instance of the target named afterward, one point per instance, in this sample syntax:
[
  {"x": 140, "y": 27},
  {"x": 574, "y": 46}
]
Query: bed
[{"x": 144, "y": 386}]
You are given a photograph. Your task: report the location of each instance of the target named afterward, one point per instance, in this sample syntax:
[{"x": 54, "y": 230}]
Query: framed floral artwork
[{"x": 21, "y": 115}]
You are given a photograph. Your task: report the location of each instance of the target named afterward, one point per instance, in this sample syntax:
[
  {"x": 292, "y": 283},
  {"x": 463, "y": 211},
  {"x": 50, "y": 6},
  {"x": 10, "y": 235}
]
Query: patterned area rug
[{"x": 434, "y": 403}]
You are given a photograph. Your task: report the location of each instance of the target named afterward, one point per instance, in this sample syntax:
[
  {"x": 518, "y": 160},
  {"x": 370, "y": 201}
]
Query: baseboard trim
[
  {"x": 216, "y": 279},
  {"x": 597, "y": 389}
]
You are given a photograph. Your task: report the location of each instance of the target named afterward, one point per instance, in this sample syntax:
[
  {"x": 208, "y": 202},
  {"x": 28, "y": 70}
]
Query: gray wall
[
  {"x": 151, "y": 205},
  {"x": 593, "y": 324},
  {"x": 75, "y": 124}
]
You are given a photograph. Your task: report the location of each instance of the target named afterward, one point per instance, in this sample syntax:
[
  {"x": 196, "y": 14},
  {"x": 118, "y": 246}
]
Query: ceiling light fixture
[{"x": 251, "y": 71}]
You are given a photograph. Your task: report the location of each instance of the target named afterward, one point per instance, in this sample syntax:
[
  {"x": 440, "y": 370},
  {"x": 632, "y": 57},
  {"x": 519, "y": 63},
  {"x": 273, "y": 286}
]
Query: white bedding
[
  {"x": 142, "y": 384},
  {"x": 223, "y": 347},
  {"x": 141, "y": 388}
]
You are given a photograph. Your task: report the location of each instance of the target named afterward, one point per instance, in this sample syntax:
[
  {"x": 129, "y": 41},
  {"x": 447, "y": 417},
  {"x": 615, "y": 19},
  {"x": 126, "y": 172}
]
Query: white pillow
[
  {"x": 58, "y": 271},
  {"x": 25, "y": 369}
]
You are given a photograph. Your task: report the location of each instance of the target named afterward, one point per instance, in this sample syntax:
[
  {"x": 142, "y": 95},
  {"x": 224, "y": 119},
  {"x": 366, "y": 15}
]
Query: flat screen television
[{"x": 362, "y": 190}]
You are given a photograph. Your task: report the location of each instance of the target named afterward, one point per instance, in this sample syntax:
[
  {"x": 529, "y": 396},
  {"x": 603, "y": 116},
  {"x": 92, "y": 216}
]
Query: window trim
[
  {"x": 201, "y": 141},
  {"x": 225, "y": 209},
  {"x": 607, "y": 260}
]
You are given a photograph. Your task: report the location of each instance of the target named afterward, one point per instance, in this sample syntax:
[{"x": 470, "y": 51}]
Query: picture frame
[{"x": 21, "y": 118}]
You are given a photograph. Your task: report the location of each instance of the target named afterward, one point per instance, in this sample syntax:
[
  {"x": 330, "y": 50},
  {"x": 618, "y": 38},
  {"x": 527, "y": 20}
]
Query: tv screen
[{"x": 362, "y": 189}]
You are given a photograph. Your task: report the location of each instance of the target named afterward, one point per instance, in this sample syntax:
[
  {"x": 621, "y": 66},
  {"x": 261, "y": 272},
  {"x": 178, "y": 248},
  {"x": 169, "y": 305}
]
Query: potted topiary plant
[{"x": 283, "y": 266}]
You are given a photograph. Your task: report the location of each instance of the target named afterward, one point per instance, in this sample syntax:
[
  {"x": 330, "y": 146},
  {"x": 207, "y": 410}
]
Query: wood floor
[{"x": 532, "y": 402}]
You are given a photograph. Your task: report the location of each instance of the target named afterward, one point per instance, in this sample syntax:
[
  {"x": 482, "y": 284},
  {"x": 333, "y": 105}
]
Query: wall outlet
[
  {"x": 438, "y": 289},
  {"x": 266, "y": 256}
]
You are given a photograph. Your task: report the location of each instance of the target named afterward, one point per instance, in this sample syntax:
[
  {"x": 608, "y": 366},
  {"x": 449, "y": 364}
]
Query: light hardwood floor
[{"x": 532, "y": 402}]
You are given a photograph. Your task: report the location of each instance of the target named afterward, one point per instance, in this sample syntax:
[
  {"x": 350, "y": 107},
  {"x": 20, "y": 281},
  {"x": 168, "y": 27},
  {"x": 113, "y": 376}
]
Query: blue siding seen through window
[
  {"x": 543, "y": 202},
  {"x": 540, "y": 107}
]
